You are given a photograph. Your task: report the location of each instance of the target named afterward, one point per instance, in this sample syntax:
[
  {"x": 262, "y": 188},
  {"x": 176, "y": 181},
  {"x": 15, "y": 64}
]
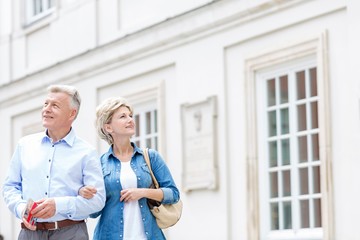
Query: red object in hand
[{"x": 27, "y": 214}]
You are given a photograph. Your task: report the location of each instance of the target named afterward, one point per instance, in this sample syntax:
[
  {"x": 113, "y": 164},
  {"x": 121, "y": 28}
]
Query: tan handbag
[{"x": 166, "y": 215}]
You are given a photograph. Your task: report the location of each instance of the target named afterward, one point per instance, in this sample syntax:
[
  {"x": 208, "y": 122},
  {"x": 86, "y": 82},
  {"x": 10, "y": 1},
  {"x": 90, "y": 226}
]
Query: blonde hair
[
  {"x": 75, "y": 100},
  {"x": 104, "y": 113}
]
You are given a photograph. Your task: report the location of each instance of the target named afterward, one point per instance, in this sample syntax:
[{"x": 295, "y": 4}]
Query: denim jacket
[{"x": 110, "y": 225}]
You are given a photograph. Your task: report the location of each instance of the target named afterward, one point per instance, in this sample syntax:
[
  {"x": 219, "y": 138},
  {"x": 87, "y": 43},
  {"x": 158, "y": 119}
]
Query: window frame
[
  {"x": 315, "y": 46},
  {"x": 142, "y": 136},
  {"x": 262, "y": 77},
  {"x": 31, "y": 18}
]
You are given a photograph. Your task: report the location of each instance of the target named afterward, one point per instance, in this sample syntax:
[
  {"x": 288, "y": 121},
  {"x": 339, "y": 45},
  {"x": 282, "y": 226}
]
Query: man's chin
[{"x": 45, "y": 124}]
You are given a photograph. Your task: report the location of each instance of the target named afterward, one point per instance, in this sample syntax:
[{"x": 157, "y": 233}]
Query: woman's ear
[{"x": 108, "y": 128}]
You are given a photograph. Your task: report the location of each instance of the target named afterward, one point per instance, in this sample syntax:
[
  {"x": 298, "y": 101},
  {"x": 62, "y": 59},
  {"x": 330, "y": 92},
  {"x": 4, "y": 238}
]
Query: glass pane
[
  {"x": 316, "y": 179},
  {"x": 274, "y": 192},
  {"x": 156, "y": 144},
  {"x": 303, "y": 150},
  {"x": 284, "y": 114},
  {"x": 271, "y": 92},
  {"x": 148, "y": 122},
  {"x": 317, "y": 212},
  {"x": 313, "y": 82},
  {"x": 286, "y": 182},
  {"x": 300, "y": 84},
  {"x": 274, "y": 208},
  {"x": 304, "y": 181},
  {"x": 287, "y": 215},
  {"x": 285, "y": 151},
  {"x": 155, "y": 121},
  {"x": 304, "y": 213},
  {"x": 272, "y": 123},
  {"x": 301, "y": 116},
  {"x": 148, "y": 143},
  {"x": 314, "y": 115},
  {"x": 137, "y": 125},
  {"x": 315, "y": 147},
  {"x": 284, "y": 94},
  {"x": 37, "y": 7},
  {"x": 273, "y": 154}
]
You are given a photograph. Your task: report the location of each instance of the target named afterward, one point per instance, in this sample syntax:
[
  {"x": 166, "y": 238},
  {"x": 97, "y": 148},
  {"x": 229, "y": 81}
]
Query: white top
[{"x": 133, "y": 225}]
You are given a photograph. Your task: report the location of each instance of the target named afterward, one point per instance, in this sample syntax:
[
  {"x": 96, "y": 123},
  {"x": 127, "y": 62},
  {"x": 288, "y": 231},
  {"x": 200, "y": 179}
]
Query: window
[
  {"x": 290, "y": 166},
  {"x": 37, "y": 9},
  {"x": 146, "y": 120},
  {"x": 287, "y": 100}
]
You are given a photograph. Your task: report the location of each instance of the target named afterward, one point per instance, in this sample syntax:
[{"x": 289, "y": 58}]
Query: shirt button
[
  {"x": 45, "y": 193},
  {"x": 49, "y": 160},
  {"x": 47, "y": 176}
]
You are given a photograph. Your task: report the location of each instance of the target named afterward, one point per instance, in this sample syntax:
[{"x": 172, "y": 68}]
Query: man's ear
[{"x": 73, "y": 113}]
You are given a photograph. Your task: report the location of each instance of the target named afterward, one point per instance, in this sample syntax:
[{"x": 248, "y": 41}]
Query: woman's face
[{"x": 122, "y": 123}]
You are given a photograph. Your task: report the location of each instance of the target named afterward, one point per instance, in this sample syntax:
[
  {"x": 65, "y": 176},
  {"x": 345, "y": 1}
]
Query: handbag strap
[{"x": 147, "y": 160}]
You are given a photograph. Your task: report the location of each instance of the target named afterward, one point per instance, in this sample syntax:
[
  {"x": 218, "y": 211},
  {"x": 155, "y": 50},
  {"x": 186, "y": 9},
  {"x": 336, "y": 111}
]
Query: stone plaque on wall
[{"x": 199, "y": 144}]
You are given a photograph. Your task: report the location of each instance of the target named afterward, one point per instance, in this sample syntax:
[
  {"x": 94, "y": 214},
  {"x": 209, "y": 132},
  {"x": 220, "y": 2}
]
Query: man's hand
[
  {"x": 87, "y": 192},
  {"x": 28, "y": 225},
  {"x": 46, "y": 208}
]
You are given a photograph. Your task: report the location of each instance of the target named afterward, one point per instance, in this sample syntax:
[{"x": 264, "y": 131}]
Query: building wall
[{"x": 181, "y": 54}]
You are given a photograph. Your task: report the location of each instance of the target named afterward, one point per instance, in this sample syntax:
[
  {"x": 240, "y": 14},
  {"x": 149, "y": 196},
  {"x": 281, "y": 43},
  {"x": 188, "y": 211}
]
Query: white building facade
[{"x": 254, "y": 104}]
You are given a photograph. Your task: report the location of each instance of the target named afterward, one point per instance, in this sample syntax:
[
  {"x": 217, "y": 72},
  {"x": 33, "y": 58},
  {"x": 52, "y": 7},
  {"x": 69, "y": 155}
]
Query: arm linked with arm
[{"x": 76, "y": 207}]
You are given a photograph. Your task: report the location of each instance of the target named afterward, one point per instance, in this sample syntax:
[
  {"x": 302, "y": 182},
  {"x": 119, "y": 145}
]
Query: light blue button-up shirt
[{"x": 42, "y": 169}]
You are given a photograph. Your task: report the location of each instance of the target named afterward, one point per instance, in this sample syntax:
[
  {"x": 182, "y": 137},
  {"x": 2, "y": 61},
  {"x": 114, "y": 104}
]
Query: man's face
[{"x": 57, "y": 112}]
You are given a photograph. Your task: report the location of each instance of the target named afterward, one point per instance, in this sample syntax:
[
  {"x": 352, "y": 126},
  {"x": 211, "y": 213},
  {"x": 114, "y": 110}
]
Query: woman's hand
[
  {"x": 131, "y": 194},
  {"x": 134, "y": 194},
  {"x": 87, "y": 192}
]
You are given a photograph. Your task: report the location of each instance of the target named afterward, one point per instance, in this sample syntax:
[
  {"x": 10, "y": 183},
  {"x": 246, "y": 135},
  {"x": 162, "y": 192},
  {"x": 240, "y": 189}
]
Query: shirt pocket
[
  {"x": 108, "y": 181},
  {"x": 147, "y": 180}
]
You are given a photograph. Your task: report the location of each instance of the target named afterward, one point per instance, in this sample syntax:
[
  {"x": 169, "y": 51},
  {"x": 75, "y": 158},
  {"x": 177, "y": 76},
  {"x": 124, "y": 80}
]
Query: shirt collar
[
  {"x": 69, "y": 139},
  {"x": 110, "y": 152}
]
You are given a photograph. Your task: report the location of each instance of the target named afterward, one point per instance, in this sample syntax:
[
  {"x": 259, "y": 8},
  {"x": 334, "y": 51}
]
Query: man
[{"x": 50, "y": 167}]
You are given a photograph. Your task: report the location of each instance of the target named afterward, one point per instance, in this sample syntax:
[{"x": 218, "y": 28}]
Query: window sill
[{"x": 40, "y": 21}]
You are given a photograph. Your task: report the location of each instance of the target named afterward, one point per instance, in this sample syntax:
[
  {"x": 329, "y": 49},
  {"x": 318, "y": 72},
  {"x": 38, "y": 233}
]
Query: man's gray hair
[{"x": 75, "y": 99}]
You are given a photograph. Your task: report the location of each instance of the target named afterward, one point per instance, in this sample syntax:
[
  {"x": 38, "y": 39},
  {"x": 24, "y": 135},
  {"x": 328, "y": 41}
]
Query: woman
[{"x": 126, "y": 214}]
